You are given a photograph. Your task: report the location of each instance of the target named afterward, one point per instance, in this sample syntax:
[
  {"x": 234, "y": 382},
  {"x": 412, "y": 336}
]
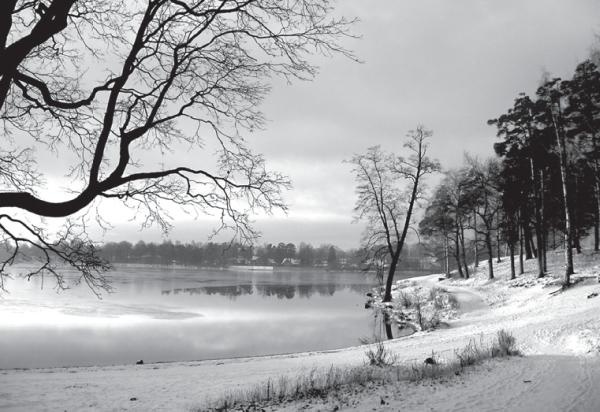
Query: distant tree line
[
  {"x": 541, "y": 192},
  {"x": 226, "y": 254}
]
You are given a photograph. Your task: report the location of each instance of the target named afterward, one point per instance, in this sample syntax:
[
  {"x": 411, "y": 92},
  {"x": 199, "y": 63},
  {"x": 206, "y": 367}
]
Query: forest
[
  {"x": 213, "y": 254},
  {"x": 540, "y": 193}
]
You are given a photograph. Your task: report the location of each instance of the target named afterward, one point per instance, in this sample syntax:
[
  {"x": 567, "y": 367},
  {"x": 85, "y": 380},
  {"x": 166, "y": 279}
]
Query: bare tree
[
  {"x": 389, "y": 187},
  {"x": 112, "y": 83},
  {"x": 438, "y": 225},
  {"x": 481, "y": 183},
  {"x": 454, "y": 180}
]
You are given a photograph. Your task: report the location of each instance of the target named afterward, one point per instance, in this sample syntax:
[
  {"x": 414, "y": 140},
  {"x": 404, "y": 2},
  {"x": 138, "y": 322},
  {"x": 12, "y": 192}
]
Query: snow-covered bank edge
[{"x": 334, "y": 383}]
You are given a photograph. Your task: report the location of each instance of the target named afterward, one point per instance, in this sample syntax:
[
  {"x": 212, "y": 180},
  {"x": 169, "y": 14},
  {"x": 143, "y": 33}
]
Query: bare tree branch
[{"x": 113, "y": 82}]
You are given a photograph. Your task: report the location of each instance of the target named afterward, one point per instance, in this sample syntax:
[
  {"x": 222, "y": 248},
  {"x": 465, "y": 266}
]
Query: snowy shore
[{"x": 558, "y": 334}]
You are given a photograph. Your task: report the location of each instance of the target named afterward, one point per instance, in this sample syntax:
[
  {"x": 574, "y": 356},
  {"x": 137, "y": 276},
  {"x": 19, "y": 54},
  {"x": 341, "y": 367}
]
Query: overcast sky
[{"x": 450, "y": 65}]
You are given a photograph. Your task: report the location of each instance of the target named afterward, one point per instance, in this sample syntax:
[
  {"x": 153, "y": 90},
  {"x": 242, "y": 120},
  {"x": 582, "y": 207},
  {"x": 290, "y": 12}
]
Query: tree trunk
[
  {"x": 538, "y": 218},
  {"x": 488, "y": 243},
  {"x": 575, "y": 218},
  {"x": 457, "y": 254},
  {"x": 527, "y": 236},
  {"x": 475, "y": 245},
  {"x": 596, "y": 210},
  {"x": 533, "y": 249},
  {"x": 390, "y": 277},
  {"x": 498, "y": 259},
  {"x": 513, "y": 273},
  {"x": 447, "y": 256},
  {"x": 543, "y": 247},
  {"x": 521, "y": 266},
  {"x": 463, "y": 253},
  {"x": 563, "y": 174},
  {"x": 388, "y": 330},
  {"x": 577, "y": 241}
]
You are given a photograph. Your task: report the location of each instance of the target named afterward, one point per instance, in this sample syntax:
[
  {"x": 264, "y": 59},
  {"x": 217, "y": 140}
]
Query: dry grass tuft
[
  {"x": 381, "y": 368},
  {"x": 505, "y": 345},
  {"x": 378, "y": 355}
]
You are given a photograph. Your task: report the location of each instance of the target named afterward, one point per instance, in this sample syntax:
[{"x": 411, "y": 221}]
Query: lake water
[{"x": 165, "y": 314}]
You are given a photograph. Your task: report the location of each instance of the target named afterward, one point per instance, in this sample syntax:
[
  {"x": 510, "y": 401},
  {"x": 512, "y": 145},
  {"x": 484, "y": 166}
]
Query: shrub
[
  {"x": 452, "y": 301},
  {"x": 418, "y": 306},
  {"x": 433, "y": 321},
  {"x": 442, "y": 299},
  {"x": 505, "y": 344},
  {"x": 426, "y": 319},
  {"x": 405, "y": 299},
  {"x": 378, "y": 355},
  {"x": 471, "y": 354},
  {"x": 435, "y": 292}
]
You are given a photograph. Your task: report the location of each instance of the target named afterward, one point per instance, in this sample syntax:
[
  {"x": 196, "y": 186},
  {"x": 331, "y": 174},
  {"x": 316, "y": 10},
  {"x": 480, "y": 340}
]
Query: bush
[
  {"x": 418, "y": 306},
  {"x": 378, "y": 355},
  {"x": 435, "y": 292},
  {"x": 436, "y": 296},
  {"x": 426, "y": 319},
  {"x": 505, "y": 344},
  {"x": 405, "y": 299},
  {"x": 471, "y": 354},
  {"x": 453, "y": 301},
  {"x": 442, "y": 299}
]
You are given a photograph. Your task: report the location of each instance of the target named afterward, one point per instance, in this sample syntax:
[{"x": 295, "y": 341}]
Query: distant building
[{"x": 290, "y": 262}]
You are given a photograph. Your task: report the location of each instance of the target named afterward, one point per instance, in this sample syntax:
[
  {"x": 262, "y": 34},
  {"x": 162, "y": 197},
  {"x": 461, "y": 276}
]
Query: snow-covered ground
[{"x": 558, "y": 334}]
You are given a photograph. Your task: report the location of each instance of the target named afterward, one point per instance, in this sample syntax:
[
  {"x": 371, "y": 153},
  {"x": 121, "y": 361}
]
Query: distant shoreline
[{"x": 407, "y": 272}]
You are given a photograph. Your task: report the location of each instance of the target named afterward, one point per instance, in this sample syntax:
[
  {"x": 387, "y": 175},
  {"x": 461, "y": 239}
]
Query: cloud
[{"x": 450, "y": 65}]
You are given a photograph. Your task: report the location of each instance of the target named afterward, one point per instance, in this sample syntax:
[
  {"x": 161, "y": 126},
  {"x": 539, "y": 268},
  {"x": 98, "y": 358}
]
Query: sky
[{"x": 449, "y": 65}]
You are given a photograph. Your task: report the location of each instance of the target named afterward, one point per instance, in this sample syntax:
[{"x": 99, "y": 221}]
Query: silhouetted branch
[{"x": 111, "y": 82}]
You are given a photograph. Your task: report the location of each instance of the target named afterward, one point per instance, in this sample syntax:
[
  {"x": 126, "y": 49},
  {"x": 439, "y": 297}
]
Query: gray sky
[{"x": 450, "y": 65}]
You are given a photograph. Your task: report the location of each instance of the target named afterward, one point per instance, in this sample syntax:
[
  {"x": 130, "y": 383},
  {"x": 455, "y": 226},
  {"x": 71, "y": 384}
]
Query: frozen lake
[{"x": 165, "y": 314}]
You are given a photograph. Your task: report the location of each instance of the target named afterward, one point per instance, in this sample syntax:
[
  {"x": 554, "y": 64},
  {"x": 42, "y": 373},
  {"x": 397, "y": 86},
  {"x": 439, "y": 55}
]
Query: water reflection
[
  {"x": 386, "y": 327},
  {"x": 279, "y": 291},
  {"x": 170, "y": 315}
]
